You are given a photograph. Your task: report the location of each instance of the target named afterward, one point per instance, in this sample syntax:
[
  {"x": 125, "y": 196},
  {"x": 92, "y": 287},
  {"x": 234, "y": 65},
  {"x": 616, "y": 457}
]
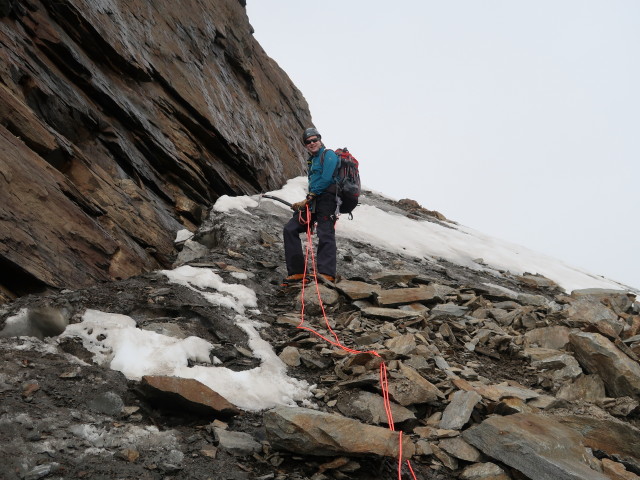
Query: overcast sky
[{"x": 518, "y": 119}]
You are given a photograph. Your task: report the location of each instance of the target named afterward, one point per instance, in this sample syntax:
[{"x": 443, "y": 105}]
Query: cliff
[{"x": 120, "y": 123}]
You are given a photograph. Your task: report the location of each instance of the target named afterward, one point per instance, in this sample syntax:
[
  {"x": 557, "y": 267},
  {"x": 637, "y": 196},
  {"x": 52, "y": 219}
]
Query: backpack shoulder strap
[{"x": 322, "y": 155}]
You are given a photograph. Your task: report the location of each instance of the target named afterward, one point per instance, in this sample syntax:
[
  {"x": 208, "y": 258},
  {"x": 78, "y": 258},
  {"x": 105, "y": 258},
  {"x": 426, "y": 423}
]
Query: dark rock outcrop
[{"x": 120, "y": 123}]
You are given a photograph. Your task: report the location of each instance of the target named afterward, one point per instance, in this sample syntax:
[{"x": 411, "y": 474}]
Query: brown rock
[
  {"x": 178, "y": 392},
  {"x": 447, "y": 460},
  {"x": 556, "y": 337},
  {"x": 616, "y": 471},
  {"x": 589, "y": 311},
  {"x": 586, "y": 388},
  {"x": 617, "y": 439},
  {"x": 423, "y": 294},
  {"x": 129, "y": 455},
  {"x": 599, "y": 355},
  {"x": 501, "y": 390},
  {"x": 328, "y": 296},
  {"x": 357, "y": 290},
  {"x": 306, "y": 431}
]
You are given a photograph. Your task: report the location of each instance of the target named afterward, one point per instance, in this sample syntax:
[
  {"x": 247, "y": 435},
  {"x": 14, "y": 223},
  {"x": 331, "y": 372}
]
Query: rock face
[{"x": 120, "y": 123}]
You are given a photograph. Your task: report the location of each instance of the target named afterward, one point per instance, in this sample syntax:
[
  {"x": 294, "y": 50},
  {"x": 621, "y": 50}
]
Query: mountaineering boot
[
  {"x": 295, "y": 279},
  {"x": 326, "y": 279}
]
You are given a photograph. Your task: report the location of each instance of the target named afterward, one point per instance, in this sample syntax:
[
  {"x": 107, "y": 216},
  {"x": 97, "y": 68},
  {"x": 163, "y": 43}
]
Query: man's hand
[
  {"x": 299, "y": 205},
  {"x": 303, "y": 203}
]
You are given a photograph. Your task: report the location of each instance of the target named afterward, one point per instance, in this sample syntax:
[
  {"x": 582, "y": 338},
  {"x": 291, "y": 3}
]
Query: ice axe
[{"x": 276, "y": 199}]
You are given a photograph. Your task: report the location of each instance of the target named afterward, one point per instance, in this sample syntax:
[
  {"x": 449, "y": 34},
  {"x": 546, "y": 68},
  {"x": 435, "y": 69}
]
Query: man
[{"x": 321, "y": 201}]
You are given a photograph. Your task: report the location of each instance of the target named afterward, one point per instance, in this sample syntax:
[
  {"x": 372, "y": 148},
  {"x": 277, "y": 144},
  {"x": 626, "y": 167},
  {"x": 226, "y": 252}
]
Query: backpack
[{"x": 347, "y": 178}]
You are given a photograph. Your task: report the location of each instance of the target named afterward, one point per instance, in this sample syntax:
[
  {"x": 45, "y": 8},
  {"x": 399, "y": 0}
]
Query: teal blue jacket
[{"x": 320, "y": 174}]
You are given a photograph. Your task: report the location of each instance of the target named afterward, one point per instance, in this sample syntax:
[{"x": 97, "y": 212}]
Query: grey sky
[{"x": 518, "y": 119}]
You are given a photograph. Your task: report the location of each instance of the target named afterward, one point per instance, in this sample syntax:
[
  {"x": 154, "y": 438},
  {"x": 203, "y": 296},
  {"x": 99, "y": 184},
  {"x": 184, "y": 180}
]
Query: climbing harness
[{"x": 384, "y": 380}]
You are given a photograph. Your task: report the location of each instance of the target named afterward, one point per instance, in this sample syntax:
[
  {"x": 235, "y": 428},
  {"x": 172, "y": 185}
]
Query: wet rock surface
[
  {"x": 120, "y": 123},
  {"x": 468, "y": 383}
]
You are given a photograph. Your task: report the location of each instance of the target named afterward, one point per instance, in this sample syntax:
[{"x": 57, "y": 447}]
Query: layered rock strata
[{"x": 120, "y": 123}]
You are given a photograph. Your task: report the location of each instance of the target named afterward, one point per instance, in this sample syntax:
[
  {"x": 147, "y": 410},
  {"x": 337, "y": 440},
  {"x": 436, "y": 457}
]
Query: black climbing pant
[{"x": 325, "y": 215}]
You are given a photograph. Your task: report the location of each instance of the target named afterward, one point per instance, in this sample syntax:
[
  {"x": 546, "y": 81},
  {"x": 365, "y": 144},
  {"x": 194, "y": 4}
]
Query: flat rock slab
[
  {"x": 388, "y": 313},
  {"x": 500, "y": 390},
  {"x": 536, "y": 445},
  {"x": 306, "y": 431},
  {"x": 357, "y": 290},
  {"x": 175, "y": 392},
  {"x": 403, "y": 296},
  {"x": 449, "y": 309}
]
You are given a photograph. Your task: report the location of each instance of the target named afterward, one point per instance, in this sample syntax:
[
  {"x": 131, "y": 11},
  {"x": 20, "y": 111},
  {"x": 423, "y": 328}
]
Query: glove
[{"x": 303, "y": 203}]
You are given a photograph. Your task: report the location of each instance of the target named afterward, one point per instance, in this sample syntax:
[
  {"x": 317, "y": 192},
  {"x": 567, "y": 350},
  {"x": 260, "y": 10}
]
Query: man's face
[{"x": 313, "y": 144}]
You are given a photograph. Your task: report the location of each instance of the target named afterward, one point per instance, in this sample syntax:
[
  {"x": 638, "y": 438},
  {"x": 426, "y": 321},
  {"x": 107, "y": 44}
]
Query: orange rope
[{"x": 384, "y": 380}]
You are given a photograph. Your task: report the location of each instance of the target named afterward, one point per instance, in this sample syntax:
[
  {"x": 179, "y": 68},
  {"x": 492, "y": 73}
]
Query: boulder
[
  {"x": 178, "y": 393},
  {"x": 428, "y": 294},
  {"x": 538, "y": 446},
  {"x": 598, "y": 355},
  {"x": 305, "y": 431},
  {"x": 589, "y": 310}
]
